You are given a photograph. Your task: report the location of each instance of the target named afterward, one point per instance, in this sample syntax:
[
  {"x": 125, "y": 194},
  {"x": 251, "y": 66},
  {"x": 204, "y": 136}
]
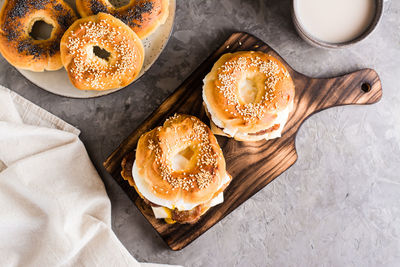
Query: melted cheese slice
[{"x": 140, "y": 182}]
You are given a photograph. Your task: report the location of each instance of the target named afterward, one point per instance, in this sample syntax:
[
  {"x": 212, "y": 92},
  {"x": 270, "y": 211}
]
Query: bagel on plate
[
  {"x": 119, "y": 57},
  {"x": 18, "y": 47},
  {"x": 142, "y": 16}
]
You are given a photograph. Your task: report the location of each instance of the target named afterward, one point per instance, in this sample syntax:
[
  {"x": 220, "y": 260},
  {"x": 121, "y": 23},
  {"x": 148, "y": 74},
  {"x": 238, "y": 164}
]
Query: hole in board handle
[{"x": 366, "y": 87}]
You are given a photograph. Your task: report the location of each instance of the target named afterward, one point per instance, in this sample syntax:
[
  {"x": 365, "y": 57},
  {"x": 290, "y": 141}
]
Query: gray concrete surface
[{"x": 339, "y": 205}]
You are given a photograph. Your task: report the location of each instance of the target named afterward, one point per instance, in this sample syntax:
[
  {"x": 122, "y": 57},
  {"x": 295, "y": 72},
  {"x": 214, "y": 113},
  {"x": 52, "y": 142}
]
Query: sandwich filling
[
  {"x": 162, "y": 208},
  {"x": 274, "y": 131}
]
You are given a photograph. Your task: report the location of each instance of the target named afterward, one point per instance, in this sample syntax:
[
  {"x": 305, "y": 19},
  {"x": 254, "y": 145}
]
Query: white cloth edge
[{"x": 42, "y": 117}]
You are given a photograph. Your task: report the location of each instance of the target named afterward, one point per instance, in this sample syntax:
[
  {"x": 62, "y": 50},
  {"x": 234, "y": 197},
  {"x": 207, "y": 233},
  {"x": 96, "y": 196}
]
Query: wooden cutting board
[{"x": 252, "y": 165}]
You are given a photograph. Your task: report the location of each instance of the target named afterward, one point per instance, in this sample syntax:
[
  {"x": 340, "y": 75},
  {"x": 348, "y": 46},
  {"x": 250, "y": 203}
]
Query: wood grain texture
[{"x": 252, "y": 164}]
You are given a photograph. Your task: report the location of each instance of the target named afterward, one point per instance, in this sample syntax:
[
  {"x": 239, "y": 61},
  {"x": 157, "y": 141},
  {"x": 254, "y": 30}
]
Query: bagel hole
[
  {"x": 181, "y": 159},
  {"x": 119, "y": 3},
  {"x": 248, "y": 90},
  {"x": 41, "y": 30},
  {"x": 101, "y": 53}
]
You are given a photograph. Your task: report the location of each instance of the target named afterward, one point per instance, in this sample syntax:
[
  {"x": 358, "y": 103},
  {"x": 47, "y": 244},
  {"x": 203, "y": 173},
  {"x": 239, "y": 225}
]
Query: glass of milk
[{"x": 335, "y": 23}]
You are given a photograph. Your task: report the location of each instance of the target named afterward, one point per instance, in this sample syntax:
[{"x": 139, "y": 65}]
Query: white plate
[{"x": 57, "y": 82}]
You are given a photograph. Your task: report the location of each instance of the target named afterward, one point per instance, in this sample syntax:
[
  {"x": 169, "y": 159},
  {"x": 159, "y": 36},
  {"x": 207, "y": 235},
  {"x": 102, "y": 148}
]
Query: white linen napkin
[{"x": 54, "y": 210}]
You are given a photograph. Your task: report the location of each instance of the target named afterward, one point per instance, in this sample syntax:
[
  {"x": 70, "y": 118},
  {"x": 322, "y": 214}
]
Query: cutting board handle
[{"x": 356, "y": 88}]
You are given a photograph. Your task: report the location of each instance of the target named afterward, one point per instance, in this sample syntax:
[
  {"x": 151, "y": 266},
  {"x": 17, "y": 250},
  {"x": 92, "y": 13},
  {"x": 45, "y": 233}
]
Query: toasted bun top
[
  {"x": 198, "y": 181},
  {"x": 245, "y": 91}
]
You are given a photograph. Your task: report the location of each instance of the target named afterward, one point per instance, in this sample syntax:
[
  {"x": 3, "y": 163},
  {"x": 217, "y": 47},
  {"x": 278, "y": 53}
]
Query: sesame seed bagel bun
[
  {"x": 142, "y": 16},
  {"x": 160, "y": 178},
  {"x": 18, "y": 47},
  {"x": 123, "y": 59},
  {"x": 248, "y": 96}
]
